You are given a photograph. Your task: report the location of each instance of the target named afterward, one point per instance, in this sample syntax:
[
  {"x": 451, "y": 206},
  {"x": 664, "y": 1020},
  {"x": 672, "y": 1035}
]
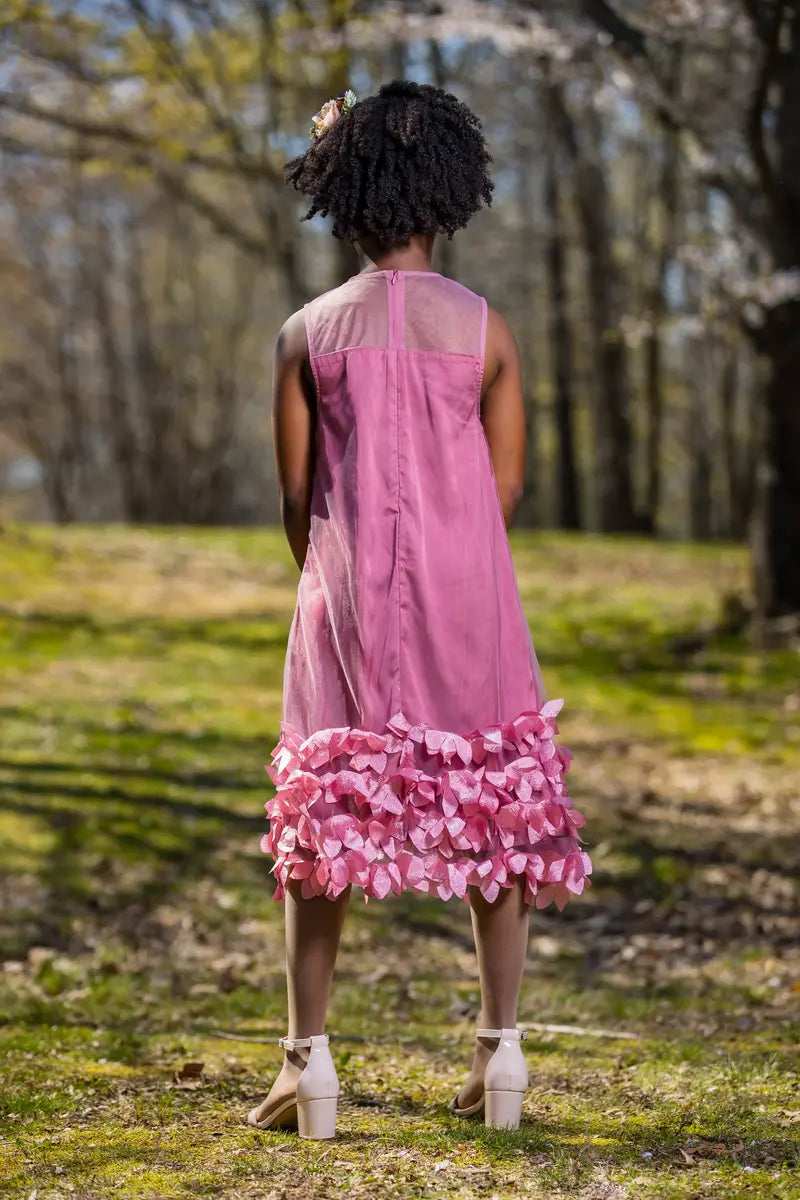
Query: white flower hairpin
[{"x": 330, "y": 112}]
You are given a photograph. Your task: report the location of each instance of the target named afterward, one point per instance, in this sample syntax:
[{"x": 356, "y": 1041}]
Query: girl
[{"x": 417, "y": 746}]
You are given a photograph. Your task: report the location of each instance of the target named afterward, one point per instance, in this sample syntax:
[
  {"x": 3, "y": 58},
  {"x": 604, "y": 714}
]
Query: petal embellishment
[
  {"x": 411, "y": 806},
  {"x": 339, "y": 872},
  {"x": 516, "y": 863},
  {"x": 462, "y": 749},
  {"x": 398, "y": 723},
  {"x": 433, "y": 740},
  {"x": 387, "y": 800},
  {"x": 491, "y": 891},
  {"x": 380, "y": 881},
  {"x": 458, "y": 880},
  {"x": 492, "y": 740}
]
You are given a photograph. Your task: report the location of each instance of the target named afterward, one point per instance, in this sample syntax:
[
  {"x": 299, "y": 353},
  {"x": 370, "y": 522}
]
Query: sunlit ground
[{"x": 140, "y": 686}]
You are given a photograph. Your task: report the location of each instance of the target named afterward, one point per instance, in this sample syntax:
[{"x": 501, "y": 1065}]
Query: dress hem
[{"x": 413, "y": 808}]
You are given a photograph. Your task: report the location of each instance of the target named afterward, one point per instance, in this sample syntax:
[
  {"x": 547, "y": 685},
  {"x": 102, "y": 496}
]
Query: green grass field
[{"x": 140, "y": 687}]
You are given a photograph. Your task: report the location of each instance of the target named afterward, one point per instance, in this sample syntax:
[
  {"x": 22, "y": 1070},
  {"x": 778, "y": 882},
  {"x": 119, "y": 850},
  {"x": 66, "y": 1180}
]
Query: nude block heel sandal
[
  {"x": 317, "y": 1091},
  {"x": 505, "y": 1081}
]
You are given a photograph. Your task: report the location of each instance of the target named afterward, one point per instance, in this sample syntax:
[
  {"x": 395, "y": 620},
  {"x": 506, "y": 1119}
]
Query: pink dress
[{"x": 417, "y": 744}]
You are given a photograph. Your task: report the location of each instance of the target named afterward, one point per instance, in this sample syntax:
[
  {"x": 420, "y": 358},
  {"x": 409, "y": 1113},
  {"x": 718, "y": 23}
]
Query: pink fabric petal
[
  {"x": 339, "y": 872},
  {"x": 398, "y": 723},
  {"x": 516, "y": 862},
  {"x": 491, "y": 891},
  {"x": 457, "y": 879},
  {"x": 380, "y": 881}
]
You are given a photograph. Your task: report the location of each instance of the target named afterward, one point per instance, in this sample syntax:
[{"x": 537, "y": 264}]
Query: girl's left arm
[{"x": 293, "y": 433}]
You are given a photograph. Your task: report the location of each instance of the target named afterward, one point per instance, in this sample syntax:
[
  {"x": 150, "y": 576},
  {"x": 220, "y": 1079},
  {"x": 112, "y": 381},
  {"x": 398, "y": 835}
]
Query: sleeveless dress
[{"x": 417, "y": 747}]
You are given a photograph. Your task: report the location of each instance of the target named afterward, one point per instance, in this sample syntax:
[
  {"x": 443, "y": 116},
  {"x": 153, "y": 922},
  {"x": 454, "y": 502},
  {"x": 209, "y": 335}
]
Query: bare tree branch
[
  {"x": 627, "y": 38},
  {"x": 125, "y": 136},
  {"x": 755, "y": 120},
  {"x": 164, "y": 44},
  {"x": 179, "y": 187}
]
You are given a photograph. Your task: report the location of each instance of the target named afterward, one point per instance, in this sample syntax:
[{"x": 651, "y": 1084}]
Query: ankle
[
  {"x": 481, "y": 1024},
  {"x": 295, "y": 1061}
]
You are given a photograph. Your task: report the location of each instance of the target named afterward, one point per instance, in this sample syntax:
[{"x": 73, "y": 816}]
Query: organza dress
[{"x": 417, "y": 748}]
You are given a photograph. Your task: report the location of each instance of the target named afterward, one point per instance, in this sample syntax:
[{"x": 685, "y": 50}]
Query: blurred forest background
[{"x": 644, "y": 242}]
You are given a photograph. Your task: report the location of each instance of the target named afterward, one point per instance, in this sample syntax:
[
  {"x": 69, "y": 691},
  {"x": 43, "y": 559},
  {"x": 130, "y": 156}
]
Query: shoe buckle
[{"x": 289, "y": 1043}]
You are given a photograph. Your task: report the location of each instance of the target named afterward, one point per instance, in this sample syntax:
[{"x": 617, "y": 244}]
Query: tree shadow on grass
[
  {"x": 202, "y": 780},
  {"x": 112, "y": 737},
  {"x": 112, "y": 842},
  {"x": 248, "y": 631}
]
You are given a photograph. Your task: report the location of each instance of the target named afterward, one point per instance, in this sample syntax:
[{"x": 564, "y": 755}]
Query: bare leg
[
  {"x": 500, "y": 930},
  {"x": 313, "y": 932}
]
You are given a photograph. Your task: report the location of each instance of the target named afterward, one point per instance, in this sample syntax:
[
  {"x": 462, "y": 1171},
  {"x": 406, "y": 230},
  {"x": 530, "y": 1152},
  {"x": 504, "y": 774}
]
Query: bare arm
[
  {"x": 503, "y": 412},
  {"x": 293, "y": 432}
]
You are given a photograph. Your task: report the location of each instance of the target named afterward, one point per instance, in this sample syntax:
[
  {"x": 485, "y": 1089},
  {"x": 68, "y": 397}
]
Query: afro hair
[{"x": 409, "y": 160}]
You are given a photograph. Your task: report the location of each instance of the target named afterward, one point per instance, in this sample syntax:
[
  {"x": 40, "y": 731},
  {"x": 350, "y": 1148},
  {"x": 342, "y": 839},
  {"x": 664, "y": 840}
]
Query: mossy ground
[{"x": 140, "y": 685}]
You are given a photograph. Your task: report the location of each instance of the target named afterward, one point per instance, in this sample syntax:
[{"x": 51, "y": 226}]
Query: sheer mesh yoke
[
  {"x": 430, "y": 313},
  {"x": 417, "y": 745}
]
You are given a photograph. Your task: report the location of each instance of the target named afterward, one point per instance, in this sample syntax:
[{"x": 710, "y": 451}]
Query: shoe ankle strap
[
  {"x": 498, "y": 1033},
  {"x": 302, "y": 1042}
]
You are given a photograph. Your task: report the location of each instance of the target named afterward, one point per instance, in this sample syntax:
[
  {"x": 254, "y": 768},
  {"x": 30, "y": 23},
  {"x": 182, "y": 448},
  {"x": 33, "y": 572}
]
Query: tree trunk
[
  {"x": 123, "y": 435},
  {"x": 667, "y": 197},
  {"x": 612, "y": 430},
  {"x": 776, "y": 534},
  {"x": 446, "y": 248},
  {"x": 777, "y": 541},
  {"x": 700, "y": 493},
  {"x": 154, "y": 385},
  {"x": 737, "y": 446},
  {"x": 568, "y": 499}
]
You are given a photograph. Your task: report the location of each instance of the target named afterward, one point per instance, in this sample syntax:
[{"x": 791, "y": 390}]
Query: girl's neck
[{"x": 414, "y": 256}]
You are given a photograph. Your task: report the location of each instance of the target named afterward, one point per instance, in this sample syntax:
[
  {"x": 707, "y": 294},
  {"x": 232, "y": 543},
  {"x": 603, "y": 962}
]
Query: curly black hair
[{"x": 409, "y": 160}]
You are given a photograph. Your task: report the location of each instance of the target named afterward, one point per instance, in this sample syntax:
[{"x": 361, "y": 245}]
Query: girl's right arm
[
  {"x": 293, "y": 433},
  {"x": 503, "y": 412}
]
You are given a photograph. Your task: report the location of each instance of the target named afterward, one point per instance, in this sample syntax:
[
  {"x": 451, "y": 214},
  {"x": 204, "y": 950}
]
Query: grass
[{"x": 140, "y": 688}]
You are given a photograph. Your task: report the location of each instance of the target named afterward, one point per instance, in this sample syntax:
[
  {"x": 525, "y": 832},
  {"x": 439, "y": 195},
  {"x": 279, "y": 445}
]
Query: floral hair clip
[{"x": 330, "y": 112}]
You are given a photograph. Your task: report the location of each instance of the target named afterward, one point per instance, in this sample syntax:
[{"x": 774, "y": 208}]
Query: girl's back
[{"x": 408, "y": 594}]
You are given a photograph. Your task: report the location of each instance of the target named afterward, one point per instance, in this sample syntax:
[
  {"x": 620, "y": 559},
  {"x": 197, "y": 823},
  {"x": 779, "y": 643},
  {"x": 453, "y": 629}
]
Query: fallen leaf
[{"x": 189, "y": 1070}]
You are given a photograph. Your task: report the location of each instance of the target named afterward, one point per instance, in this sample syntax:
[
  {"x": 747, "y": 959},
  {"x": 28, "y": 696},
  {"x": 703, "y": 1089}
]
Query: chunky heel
[
  {"x": 317, "y": 1118},
  {"x": 313, "y": 1107},
  {"x": 504, "y": 1109},
  {"x": 505, "y": 1081}
]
